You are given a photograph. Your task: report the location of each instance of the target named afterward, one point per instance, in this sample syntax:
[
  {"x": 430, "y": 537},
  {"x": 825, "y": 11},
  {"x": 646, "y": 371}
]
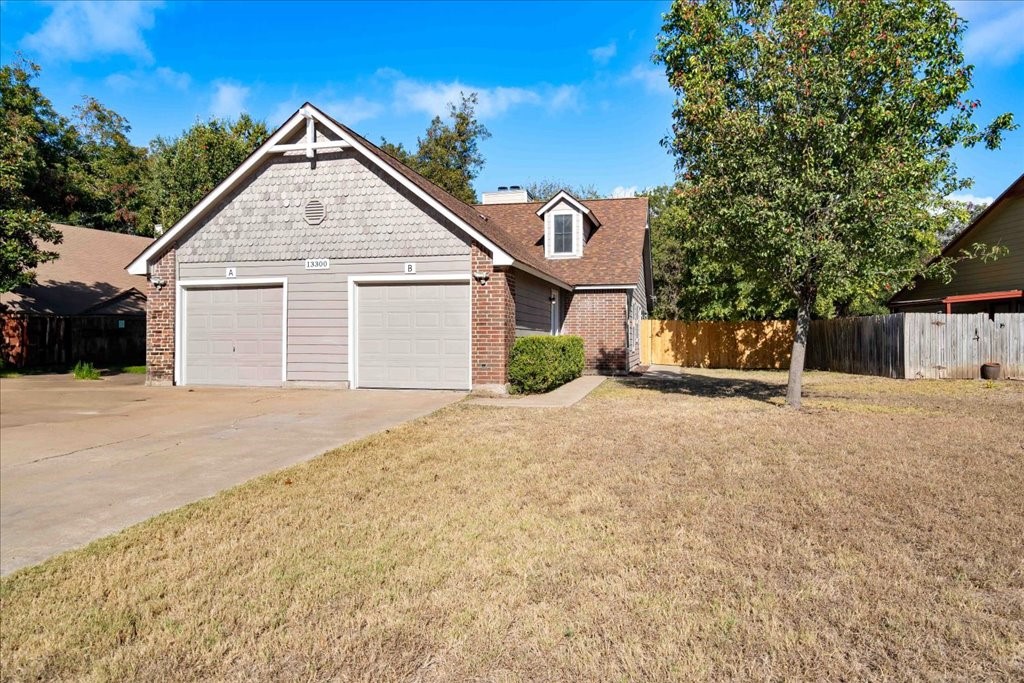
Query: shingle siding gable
[{"x": 367, "y": 216}]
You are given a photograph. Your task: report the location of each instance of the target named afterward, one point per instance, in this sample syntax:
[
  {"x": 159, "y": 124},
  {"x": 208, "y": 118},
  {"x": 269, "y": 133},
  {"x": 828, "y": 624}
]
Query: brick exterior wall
[
  {"x": 600, "y": 318},
  {"x": 494, "y": 321},
  {"x": 160, "y": 321}
]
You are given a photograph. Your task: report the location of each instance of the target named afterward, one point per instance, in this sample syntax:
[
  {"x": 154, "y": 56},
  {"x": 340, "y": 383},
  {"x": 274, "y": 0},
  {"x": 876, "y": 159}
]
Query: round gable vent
[{"x": 314, "y": 212}]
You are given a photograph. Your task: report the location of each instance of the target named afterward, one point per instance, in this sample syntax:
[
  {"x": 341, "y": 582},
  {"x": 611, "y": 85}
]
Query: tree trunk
[{"x": 796, "y": 359}]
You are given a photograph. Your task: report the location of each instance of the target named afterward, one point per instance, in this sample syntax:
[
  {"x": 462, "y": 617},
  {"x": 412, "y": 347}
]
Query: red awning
[{"x": 984, "y": 296}]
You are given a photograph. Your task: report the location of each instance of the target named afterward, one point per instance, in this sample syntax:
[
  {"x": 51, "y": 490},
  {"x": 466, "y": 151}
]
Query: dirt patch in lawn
[{"x": 655, "y": 531}]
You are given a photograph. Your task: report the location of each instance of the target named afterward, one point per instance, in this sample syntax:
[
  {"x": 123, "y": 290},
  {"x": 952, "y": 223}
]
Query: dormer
[{"x": 567, "y": 226}]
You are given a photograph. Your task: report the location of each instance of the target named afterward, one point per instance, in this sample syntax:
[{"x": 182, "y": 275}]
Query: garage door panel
[
  {"x": 233, "y": 335},
  {"x": 413, "y": 336}
]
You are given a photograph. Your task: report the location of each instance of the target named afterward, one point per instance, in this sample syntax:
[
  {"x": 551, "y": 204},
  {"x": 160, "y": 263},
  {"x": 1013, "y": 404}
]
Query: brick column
[
  {"x": 160, "y": 321},
  {"x": 494, "y": 322}
]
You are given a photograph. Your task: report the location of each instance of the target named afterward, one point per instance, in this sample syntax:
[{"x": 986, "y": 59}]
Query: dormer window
[
  {"x": 564, "y": 217},
  {"x": 562, "y": 234}
]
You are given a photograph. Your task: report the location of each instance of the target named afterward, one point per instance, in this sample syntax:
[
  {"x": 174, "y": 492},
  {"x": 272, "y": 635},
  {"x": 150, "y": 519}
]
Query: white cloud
[
  {"x": 995, "y": 31},
  {"x": 621, "y": 192},
  {"x": 565, "y": 97},
  {"x": 175, "y": 79},
  {"x": 84, "y": 30},
  {"x": 651, "y": 77},
  {"x": 603, "y": 54},
  {"x": 352, "y": 111},
  {"x": 121, "y": 81},
  {"x": 968, "y": 198},
  {"x": 141, "y": 79},
  {"x": 433, "y": 98},
  {"x": 228, "y": 99}
]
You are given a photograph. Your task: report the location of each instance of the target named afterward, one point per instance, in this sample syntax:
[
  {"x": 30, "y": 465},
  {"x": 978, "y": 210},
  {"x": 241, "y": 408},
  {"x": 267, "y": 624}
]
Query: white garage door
[
  {"x": 233, "y": 336},
  {"x": 413, "y": 336}
]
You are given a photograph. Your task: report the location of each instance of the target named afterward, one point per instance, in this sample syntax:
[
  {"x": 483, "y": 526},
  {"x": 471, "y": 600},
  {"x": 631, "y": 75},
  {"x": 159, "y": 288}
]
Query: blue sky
[{"x": 567, "y": 89}]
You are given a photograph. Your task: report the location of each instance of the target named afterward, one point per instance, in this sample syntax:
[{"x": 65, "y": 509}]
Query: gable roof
[
  {"x": 1015, "y": 190},
  {"x": 565, "y": 196},
  {"x": 507, "y": 236},
  {"x": 472, "y": 215},
  {"x": 503, "y": 249},
  {"x": 614, "y": 254},
  {"x": 87, "y": 277}
]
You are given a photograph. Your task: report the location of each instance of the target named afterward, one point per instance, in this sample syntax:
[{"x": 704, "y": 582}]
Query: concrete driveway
[{"x": 80, "y": 460}]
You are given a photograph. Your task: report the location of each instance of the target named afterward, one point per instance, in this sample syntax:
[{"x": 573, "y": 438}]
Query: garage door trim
[
  {"x": 353, "y": 311},
  {"x": 180, "y": 316}
]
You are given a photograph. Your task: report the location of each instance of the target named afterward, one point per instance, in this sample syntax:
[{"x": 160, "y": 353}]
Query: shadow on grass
[{"x": 707, "y": 386}]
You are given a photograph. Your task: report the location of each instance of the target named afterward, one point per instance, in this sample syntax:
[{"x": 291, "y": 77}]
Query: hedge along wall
[{"x": 540, "y": 363}]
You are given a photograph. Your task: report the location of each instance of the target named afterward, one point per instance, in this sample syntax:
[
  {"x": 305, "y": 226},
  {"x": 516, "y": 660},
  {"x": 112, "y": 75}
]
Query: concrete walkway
[
  {"x": 562, "y": 397},
  {"x": 80, "y": 460}
]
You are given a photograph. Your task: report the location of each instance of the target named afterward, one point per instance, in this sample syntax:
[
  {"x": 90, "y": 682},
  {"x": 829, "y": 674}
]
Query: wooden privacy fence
[
  {"x": 869, "y": 345},
  {"x": 901, "y": 345},
  {"x": 37, "y": 340},
  {"x": 743, "y": 345}
]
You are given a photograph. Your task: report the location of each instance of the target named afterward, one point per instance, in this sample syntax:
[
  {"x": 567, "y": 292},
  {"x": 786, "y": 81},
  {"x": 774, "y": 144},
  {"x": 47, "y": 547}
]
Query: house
[
  {"x": 978, "y": 286},
  {"x": 321, "y": 260},
  {"x": 83, "y": 305}
]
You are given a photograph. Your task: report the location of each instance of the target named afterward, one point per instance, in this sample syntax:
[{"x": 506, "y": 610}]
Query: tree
[
  {"x": 112, "y": 173},
  {"x": 814, "y": 137},
  {"x": 185, "y": 169},
  {"x": 543, "y": 190},
  {"x": 449, "y": 154},
  {"x": 694, "y": 282},
  {"x": 31, "y": 135}
]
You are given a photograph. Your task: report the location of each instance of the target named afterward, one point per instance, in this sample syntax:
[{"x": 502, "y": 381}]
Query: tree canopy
[
  {"x": 32, "y": 173},
  {"x": 85, "y": 171},
  {"x": 695, "y": 283},
  {"x": 449, "y": 153},
  {"x": 543, "y": 190},
  {"x": 185, "y": 169},
  {"x": 813, "y": 138}
]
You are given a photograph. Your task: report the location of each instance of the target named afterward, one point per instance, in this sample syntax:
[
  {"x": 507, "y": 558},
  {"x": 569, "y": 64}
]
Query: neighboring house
[
  {"x": 978, "y": 286},
  {"x": 323, "y": 260},
  {"x": 83, "y": 306}
]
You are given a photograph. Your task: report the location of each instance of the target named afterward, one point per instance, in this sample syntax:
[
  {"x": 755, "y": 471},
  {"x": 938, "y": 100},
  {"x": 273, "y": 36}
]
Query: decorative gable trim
[{"x": 307, "y": 116}]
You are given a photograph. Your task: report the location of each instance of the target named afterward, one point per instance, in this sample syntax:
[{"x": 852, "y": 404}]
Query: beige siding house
[
  {"x": 324, "y": 261},
  {"x": 979, "y": 286}
]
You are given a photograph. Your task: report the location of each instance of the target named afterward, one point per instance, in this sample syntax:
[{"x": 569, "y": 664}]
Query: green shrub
[
  {"x": 538, "y": 364},
  {"x": 84, "y": 370}
]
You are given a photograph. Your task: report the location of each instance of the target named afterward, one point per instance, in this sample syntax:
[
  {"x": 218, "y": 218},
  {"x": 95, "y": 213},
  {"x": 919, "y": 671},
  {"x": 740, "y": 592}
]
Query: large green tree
[
  {"x": 814, "y": 138},
  {"x": 185, "y": 169},
  {"x": 110, "y": 173},
  {"x": 32, "y": 172},
  {"x": 449, "y": 153},
  {"x": 696, "y": 283}
]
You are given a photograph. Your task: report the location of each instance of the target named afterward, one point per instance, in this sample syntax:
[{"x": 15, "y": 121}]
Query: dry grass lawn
[{"x": 684, "y": 531}]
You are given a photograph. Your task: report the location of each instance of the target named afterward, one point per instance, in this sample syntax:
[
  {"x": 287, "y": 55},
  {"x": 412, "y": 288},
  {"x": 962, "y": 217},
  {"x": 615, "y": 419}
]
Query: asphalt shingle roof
[{"x": 88, "y": 273}]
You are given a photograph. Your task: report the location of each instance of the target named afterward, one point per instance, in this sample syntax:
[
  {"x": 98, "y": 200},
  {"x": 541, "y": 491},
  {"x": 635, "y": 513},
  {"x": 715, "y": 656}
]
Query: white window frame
[
  {"x": 181, "y": 316},
  {"x": 549, "y": 233}
]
